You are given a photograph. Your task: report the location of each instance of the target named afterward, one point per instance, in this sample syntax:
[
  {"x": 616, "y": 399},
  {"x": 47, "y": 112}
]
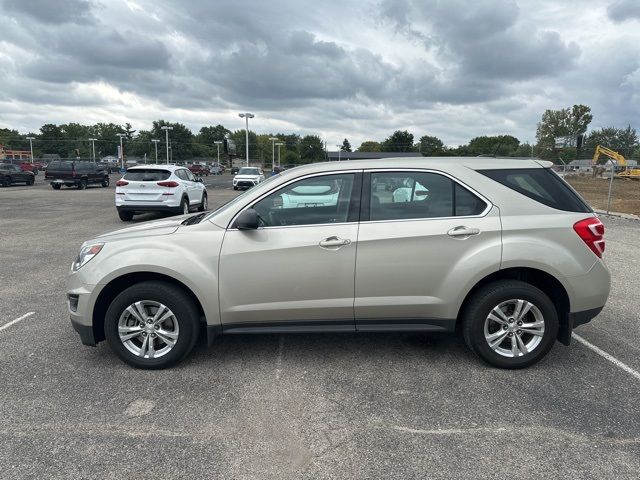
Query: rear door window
[
  {"x": 146, "y": 175},
  {"x": 60, "y": 166},
  {"x": 542, "y": 185}
]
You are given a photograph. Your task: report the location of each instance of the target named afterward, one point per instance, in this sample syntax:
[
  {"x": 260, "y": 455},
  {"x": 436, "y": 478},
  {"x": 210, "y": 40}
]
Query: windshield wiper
[{"x": 195, "y": 219}]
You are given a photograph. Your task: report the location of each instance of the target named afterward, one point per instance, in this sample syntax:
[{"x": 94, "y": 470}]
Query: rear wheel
[
  {"x": 205, "y": 204},
  {"x": 125, "y": 216},
  {"x": 510, "y": 324},
  {"x": 105, "y": 181},
  {"x": 83, "y": 184},
  {"x": 5, "y": 181},
  {"x": 56, "y": 186},
  {"x": 152, "y": 325},
  {"x": 31, "y": 181},
  {"x": 184, "y": 206}
]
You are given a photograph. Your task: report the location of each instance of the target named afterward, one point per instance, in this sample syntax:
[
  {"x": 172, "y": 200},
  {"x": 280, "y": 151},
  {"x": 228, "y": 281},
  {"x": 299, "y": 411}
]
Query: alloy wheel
[
  {"x": 514, "y": 328},
  {"x": 148, "y": 329}
]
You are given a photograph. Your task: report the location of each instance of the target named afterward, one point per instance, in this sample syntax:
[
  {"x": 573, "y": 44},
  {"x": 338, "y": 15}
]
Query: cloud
[
  {"x": 622, "y": 10},
  {"x": 52, "y": 12}
]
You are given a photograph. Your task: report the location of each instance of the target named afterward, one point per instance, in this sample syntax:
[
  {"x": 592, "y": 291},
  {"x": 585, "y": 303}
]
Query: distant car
[
  {"x": 10, "y": 174},
  {"x": 199, "y": 170},
  {"x": 159, "y": 188},
  {"x": 235, "y": 170},
  {"x": 34, "y": 167},
  {"x": 216, "y": 169},
  {"x": 75, "y": 174},
  {"x": 247, "y": 177}
]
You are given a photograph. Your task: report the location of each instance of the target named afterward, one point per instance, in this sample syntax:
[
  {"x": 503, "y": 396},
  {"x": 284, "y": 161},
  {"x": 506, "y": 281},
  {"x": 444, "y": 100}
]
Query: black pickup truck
[{"x": 76, "y": 174}]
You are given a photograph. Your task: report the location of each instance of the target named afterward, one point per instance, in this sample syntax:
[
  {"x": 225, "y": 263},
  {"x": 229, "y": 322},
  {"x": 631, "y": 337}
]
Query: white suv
[
  {"x": 153, "y": 188},
  {"x": 248, "y": 177}
]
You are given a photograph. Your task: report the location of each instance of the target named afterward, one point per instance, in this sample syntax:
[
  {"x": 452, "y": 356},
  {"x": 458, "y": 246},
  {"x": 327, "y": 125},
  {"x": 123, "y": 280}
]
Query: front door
[
  {"x": 422, "y": 238},
  {"x": 296, "y": 271}
]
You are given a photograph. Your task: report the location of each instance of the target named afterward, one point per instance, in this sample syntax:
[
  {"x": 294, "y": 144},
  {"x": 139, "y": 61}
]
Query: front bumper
[
  {"x": 86, "y": 333},
  {"x": 81, "y": 299}
]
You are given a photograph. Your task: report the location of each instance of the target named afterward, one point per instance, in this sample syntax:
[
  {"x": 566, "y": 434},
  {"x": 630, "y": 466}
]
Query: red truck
[{"x": 199, "y": 170}]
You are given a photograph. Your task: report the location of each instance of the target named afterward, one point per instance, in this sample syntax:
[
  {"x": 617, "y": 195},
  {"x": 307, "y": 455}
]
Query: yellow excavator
[{"x": 627, "y": 172}]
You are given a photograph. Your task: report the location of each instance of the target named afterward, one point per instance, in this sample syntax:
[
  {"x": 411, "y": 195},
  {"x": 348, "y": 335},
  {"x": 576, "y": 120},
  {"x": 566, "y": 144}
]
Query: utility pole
[
  {"x": 279, "y": 144},
  {"x": 273, "y": 153},
  {"x": 93, "y": 147},
  {"x": 121, "y": 135},
  {"x": 246, "y": 117},
  {"x": 31, "y": 139},
  {"x": 155, "y": 143},
  {"x": 218, "y": 143},
  {"x": 166, "y": 129}
]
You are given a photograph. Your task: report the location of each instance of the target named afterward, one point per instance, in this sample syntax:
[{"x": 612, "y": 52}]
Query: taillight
[
  {"x": 121, "y": 183},
  {"x": 170, "y": 184},
  {"x": 591, "y": 231}
]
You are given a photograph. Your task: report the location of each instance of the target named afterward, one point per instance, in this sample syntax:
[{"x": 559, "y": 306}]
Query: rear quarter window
[
  {"x": 542, "y": 185},
  {"x": 146, "y": 175},
  {"x": 64, "y": 166}
]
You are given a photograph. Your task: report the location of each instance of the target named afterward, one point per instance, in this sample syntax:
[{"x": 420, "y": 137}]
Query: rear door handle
[
  {"x": 463, "y": 231},
  {"x": 334, "y": 242}
]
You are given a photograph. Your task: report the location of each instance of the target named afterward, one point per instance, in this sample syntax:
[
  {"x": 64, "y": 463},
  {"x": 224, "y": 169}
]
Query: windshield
[
  {"x": 146, "y": 175},
  {"x": 248, "y": 171}
]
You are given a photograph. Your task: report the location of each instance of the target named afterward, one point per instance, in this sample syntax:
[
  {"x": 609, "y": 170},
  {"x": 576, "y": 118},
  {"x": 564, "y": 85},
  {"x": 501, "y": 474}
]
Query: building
[{"x": 335, "y": 156}]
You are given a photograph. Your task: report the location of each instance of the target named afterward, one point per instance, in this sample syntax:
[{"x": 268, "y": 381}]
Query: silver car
[{"x": 503, "y": 251}]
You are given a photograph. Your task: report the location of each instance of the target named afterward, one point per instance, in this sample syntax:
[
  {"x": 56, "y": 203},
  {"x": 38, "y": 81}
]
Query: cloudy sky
[{"x": 357, "y": 69}]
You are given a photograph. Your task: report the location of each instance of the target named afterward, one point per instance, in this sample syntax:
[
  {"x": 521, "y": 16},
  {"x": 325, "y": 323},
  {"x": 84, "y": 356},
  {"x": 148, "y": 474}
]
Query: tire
[
  {"x": 506, "y": 294},
  {"x": 5, "y": 181},
  {"x": 205, "y": 203},
  {"x": 105, "y": 182},
  {"x": 183, "y": 324},
  {"x": 31, "y": 181},
  {"x": 56, "y": 186},
  {"x": 83, "y": 184},
  {"x": 125, "y": 216},
  {"x": 235, "y": 188},
  {"x": 184, "y": 206}
]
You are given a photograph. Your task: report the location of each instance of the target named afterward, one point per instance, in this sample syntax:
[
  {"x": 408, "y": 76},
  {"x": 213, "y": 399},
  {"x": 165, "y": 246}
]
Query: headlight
[{"x": 87, "y": 252}]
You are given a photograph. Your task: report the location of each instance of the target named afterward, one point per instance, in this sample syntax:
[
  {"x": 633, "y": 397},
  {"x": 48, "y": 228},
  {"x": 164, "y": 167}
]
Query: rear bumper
[{"x": 149, "y": 208}]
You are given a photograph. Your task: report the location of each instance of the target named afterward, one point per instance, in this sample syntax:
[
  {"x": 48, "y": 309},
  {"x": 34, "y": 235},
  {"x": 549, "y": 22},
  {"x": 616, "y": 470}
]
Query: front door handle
[
  {"x": 334, "y": 242},
  {"x": 463, "y": 231}
]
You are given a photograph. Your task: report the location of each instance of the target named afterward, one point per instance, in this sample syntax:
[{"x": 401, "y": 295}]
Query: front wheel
[
  {"x": 31, "y": 181},
  {"x": 56, "y": 186},
  {"x": 83, "y": 184},
  {"x": 105, "y": 181},
  {"x": 510, "y": 324},
  {"x": 152, "y": 325},
  {"x": 5, "y": 181}
]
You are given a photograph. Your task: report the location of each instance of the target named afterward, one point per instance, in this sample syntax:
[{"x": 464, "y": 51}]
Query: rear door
[
  {"x": 422, "y": 237},
  {"x": 193, "y": 188}
]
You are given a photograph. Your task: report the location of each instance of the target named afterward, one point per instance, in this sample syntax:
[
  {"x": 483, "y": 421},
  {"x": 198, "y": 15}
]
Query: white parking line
[
  {"x": 279, "y": 359},
  {"x": 609, "y": 357},
  {"x": 13, "y": 322}
]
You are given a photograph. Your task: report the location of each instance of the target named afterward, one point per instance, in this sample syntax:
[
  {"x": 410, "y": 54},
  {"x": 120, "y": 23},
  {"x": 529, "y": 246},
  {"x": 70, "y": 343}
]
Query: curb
[{"x": 627, "y": 216}]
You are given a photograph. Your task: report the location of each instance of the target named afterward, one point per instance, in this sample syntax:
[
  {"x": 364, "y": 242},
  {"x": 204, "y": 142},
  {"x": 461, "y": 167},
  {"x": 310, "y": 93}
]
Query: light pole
[
  {"x": 121, "y": 135},
  {"x": 166, "y": 129},
  {"x": 246, "y": 117},
  {"x": 279, "y": 144},
  {"x": 218, "y": 143},
  {"x": 93, "y": 147},
  {"x": 155, "y": 143},
  {"x": 339, "y": 151},
  {"x": 273, "y": 153},
  {"x": 31, "y": 139}
]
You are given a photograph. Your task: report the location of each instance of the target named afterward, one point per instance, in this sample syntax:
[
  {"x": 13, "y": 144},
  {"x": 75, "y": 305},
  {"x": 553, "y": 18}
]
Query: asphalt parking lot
[{"x": 296, "y": 406}]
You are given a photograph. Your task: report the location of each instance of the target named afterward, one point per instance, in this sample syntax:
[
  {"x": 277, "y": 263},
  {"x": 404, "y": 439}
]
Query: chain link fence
[{"x": 607, "y": 192}]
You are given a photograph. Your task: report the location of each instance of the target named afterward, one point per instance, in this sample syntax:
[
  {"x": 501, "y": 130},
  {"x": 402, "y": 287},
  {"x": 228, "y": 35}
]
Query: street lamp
[
  {"x": 155, "y": 143},
  {"x": 273, "y": 153},
  {"x": 339, "y": 151},
  {"x": 166, "y": 129},
  {"x": 93, "y": 147},
  {"x": 218, "y": 143},
  {"x": 279, "y": 144},
  {"x": 31, "y": 139},
  {"x": 121, "y": 135},
  {"x": 246, "y": 117}
]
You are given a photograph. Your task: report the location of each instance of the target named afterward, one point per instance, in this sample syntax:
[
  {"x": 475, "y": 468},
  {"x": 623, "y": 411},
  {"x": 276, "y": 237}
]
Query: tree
[
  {"x": 561, "y": 123},
  {"x": 431, "y": 146},
  {"x": 504, "y": 145},
  {"x": 346, "y": 146},
  {"x": 399, "y": 141},
  {"x": 369, "y": 146},
  {"x": 52, "y": 140},
  {"x": 312, "y": 149},
  {"x": 622, "y": 140}
]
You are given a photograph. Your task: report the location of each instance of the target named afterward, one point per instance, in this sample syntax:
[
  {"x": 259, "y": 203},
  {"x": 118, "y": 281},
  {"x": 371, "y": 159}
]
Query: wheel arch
[
  {"x": 540, "y": 279},
  {"x": 120, "y": 284}
]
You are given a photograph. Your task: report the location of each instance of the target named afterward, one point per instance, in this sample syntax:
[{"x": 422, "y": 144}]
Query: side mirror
[
  {"x": 199, "y": 179},
  {"x": 247, "y": 220}
]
